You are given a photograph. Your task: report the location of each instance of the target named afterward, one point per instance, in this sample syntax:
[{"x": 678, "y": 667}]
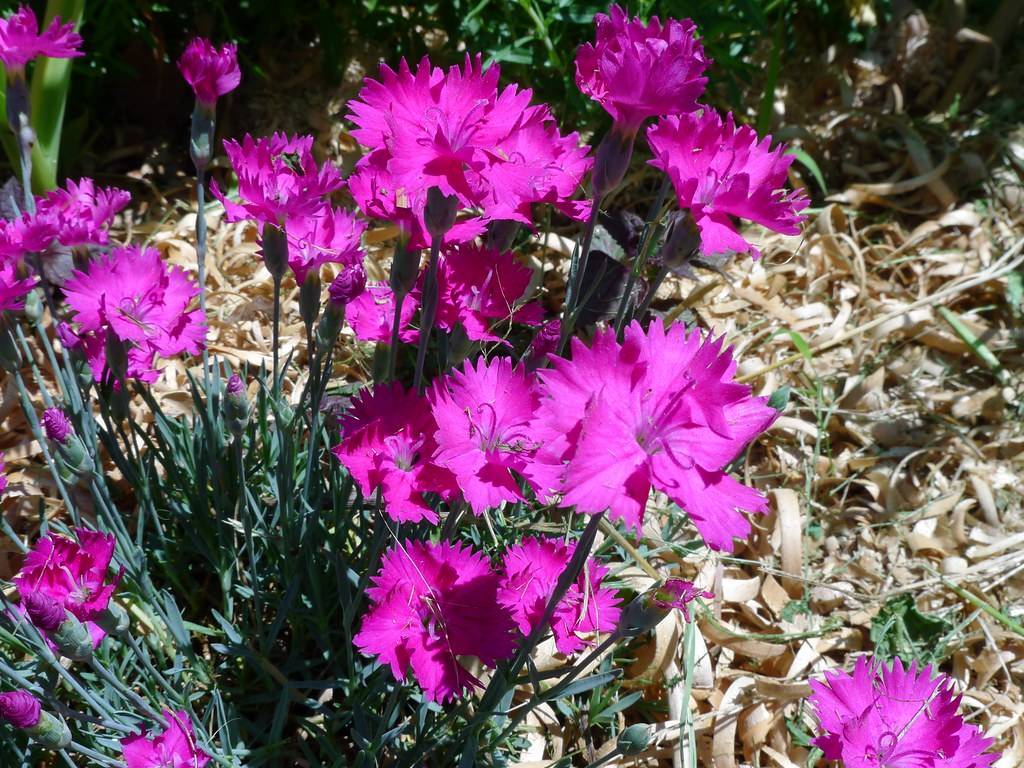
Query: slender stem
[
  {"x": 148, "y": 664},
  {"x": 276, "y": 385},
  {"x": 428, "y": 313},
  {"x": 577, "y": 270},
  {"x": 643, "y": 253},
  {"x": 201, "y": 265},
  {"x": 26, "y": 168},
  {"x": 652, "y": 291},
  {"x": 396, "y": 326},
  {"x": 93, "y": 755}
]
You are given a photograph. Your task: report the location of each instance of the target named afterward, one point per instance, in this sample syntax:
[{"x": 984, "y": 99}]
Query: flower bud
[
  {"x": 51, "y": 731},
  {"x": 439, "y": 215},
  {"x": 114, "y": 620},
  {"x": 275, "y": 250},
  {"x": 634, "y": 739},
  {"x": 72, "y": 639},
  {"x": 75, "y": 456},
  {"x": 681, "y": 245},
  {"x": 57, "y": 425},
  {"x": 236, "y": 405},
  {"x": 544, "y": 343},
  {"x": 17, "y": 101},
  {"x": 34, "y": 305},
  {"x": 501, "y": 234},
  {"x": 309, "y": 298},
  {"x": 347, "y": 286},
  {"x": 44, "y": 612},
  {"x": 611, "y": 162},
  {"x": 20, "y": 709},
  {"x": 405, "y": 268},
  {"x": 201, "y": 135}
]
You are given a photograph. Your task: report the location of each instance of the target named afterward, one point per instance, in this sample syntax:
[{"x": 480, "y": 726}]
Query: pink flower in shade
[
  {"x": 134, "y": 296},
  {"x": 331, "y": 236},
  {"x": 636, "y": 70},
  {"x": 176, "y": 747},
  {"x": 882, "y": 716},
  {"x": 387, "y": 443},
  {"x": 372, "y": 313},
  {"x": 20, "y": 708},
  {"x": 659, "y": 409},
  {"x": 678, "y": 594},
  {"x": 431, "y": 604},
  {"x": 81, "y": 213},
  {"x": 21, "y": 41},
  {"x": 531, "y": 571},
  {"x": 481, "y": 286},
  {"x": 212, "y": 73},
  {"x": 72, "y": 574},
  {"x": 483, "y": 415},
  {"x": 718, "y": 171},
  {"x": 278, "y": 179},
  {"x": 13, "y": 289}
]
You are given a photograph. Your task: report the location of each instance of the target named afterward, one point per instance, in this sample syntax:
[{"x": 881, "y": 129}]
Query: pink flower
[
  {"x": 456, "y": 131},
  {"x": 483, "y": 416},
  {"x": 636, "y": 70},
  {"x": 659, "y": 409},
  {"x": 72, "y": 574},
  {"x": 718, "y": 171},
  {"x": 20, "y": 708},
  {"x": 331, "y": 236},
  {"x": 212, "y": 73},
  {"x": 531, "y": 571},
  {"x": 176, "y": 747},
  {"x": 372, "y": 313},
  {"x": 82, "y": 213},
  {"x": 132, "y": 295},
  {"x": 679, "y": 593},
  {"x": 21, "y": 41},
  {"x": 387, "y": 443},
  {"x": 480, "y": 286},
  {"x": 884, "y": 716},
  {"x": 429, "y": 604},
  {"x": 13, "y": 289},
  {"x": 278, "y": 179},
  {"x": 347, "y": 286},
  {"x": 56, "y": 425}
]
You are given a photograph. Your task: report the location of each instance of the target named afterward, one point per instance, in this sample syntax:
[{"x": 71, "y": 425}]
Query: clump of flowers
[
  {"x": 455, "y": 131},
  {"x": 211, "y": 72},
  {"x": 660, "y": 409},
  {"x": 484, "y": 414},
  {"x": 885, "y": 715},
  {"x": 60, "y": 574},
  {"x": 719, "y": 171},
  {"x": 21, "y": 41},
  {"x": 388, "y": 444},
  {"x": 81, "y": 213},
  {"x": 130, "y": 297},
  {"x": 175, "y": 747},
  {"x": 529, "y": 575},
  {"x": 430, "y": 604}
]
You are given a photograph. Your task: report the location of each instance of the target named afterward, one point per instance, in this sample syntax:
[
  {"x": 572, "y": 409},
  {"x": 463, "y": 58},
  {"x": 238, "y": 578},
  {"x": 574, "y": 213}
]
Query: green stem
[
  {"x": 577, "y": 270},
  {"x": 428, "y": 313}
]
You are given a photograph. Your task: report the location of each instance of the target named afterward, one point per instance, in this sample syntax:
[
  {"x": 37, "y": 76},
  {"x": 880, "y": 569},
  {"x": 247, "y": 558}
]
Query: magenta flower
[
  {"x": 347, "y": 286},
  {"x": 456, "y": 131},
  {"x": 387, "y": 443},
  {"x": 133, "y": 296},
  {"x": 20, "y": 708},
  {"x": 483, "y": 415},
  {"x": 636, "y": 70},
  {"x": 81, "y": 213},
  {"x": 659, "y": 409},
  {"x": 480, "y": 286},
  {"x": 21, "y": 41},
  {"x": 331, "y": 236},
  {"x": 372, "y": 313},
  {"x": 429, "y": 604},
  {"x": 14, "y": 289},
  {"x": 530, "y": 572},
  {"x": 718, "y": 171},
  {"x": 278, "y": 179},
  {"x": 73, "y": 574},
  {"x": 886, "y": 716},
  {"x": 212, "y": 73},
  {"x": 57, "y": 425},
  {"x": 176, "y": 747},
  {"x": 678, "y": 594}
]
